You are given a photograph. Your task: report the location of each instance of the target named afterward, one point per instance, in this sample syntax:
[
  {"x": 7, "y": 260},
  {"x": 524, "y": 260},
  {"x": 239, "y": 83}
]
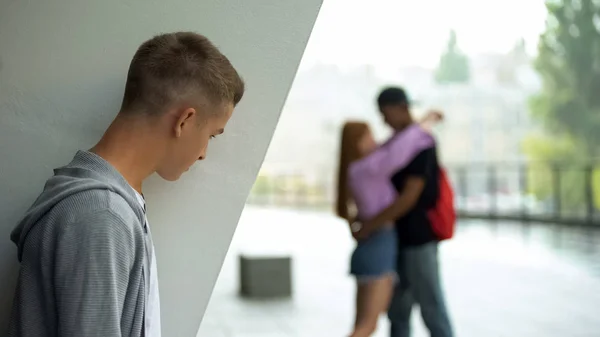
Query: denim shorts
[{"x": 375, "y": 256}]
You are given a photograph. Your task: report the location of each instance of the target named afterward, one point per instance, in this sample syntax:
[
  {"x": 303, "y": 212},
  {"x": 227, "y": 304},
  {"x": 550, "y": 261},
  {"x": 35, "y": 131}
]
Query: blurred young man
[
  {"x": 417, "y": 186},
  {"x": 88, "y": 266}
]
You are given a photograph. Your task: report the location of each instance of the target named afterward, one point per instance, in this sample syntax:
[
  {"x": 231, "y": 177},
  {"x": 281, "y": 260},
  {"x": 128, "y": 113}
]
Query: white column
[{"x": 62, "y": 71}]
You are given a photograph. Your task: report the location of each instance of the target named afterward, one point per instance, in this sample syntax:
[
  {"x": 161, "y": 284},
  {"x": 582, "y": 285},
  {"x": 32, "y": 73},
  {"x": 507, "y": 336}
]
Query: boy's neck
[{"x": 130, "y": 147}]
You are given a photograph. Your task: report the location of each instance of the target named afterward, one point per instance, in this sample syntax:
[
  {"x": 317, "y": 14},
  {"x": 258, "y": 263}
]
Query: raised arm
[
  {"x": 417, "y": 172},
  {"x": 395, "y": 154},
  {"x": 431, "y": 118}
]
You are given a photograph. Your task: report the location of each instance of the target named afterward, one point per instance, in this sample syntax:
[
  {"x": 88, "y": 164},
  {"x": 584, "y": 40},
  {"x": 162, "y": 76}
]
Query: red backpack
[{"x": 443, "y": 216}]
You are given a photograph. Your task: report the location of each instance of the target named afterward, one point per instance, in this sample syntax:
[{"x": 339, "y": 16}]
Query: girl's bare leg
[
  {"x": 373, "y": 299},
  {"x": 361, "y": 296}
]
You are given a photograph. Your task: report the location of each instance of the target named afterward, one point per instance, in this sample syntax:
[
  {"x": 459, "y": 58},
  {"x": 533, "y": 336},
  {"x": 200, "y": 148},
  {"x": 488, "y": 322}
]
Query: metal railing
[{"x": 541, "y": 192}]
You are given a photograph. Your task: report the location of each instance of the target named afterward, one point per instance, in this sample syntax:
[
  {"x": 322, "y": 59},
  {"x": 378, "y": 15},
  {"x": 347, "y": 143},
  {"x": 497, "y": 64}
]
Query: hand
[
  {"x": 434, "y": 115},
  {"x": 431, "y": 118},
  {"x": 360, "y": 231},
  {"x": 354, "y": 225}
]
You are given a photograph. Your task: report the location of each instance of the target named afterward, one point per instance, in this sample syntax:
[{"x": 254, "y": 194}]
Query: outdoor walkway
[{"x": 501, "y": 280}]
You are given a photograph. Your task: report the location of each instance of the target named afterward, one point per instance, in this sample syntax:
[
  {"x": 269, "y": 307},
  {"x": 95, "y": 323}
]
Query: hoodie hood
[{"x": 87, "y": 171}]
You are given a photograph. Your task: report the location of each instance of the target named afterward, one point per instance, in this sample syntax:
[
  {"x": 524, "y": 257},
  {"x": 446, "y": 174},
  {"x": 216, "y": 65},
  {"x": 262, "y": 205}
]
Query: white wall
[{"x": 62, "y": 71}]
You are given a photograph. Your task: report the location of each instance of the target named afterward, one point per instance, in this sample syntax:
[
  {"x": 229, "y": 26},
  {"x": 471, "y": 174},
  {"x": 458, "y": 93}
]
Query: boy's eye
[{"x": 212, "y": 137}]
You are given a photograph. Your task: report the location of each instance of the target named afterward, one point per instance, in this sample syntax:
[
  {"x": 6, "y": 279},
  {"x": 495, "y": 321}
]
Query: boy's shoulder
[{"x": 95, "y": 203}]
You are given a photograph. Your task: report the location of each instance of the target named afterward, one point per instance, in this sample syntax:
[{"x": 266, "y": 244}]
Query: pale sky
[{"x": 414, "y": 32}]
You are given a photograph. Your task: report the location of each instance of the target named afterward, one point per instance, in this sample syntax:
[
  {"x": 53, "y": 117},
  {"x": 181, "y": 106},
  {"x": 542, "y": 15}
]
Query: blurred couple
[{"x": 386, "y": 193}]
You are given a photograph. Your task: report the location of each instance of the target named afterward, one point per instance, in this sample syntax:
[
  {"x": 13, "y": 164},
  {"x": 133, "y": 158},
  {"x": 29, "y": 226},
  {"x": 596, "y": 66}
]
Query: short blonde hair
[{"x": 174, "y": 66}]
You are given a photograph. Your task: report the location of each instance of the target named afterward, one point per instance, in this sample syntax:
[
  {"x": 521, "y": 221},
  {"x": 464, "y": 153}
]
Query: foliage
[
  {"x": 568, "y": 106},
  {"x": 454, "y": 65}
]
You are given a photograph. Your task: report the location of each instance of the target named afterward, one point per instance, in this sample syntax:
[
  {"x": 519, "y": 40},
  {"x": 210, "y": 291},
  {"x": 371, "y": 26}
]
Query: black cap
[{"x": 392, "y": 96}]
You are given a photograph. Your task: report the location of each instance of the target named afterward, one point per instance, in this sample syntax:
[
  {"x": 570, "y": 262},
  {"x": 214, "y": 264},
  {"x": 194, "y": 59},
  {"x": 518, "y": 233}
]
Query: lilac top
[{"x": 370, "y": 177}]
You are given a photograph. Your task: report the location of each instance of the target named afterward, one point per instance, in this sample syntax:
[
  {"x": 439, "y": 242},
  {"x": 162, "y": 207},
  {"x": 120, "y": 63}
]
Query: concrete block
[{"x": 264, "y": 276}]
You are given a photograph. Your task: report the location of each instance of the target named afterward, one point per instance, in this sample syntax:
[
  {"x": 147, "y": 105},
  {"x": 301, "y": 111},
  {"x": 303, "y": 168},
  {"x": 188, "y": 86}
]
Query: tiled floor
[{"x": 503, "y": 280}]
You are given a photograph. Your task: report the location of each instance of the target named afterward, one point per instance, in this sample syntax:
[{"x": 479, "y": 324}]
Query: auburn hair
[{"x": 352, "y": 132}]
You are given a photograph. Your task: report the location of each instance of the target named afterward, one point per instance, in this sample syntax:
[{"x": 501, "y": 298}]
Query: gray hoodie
[{"x": 83, "y": 252}]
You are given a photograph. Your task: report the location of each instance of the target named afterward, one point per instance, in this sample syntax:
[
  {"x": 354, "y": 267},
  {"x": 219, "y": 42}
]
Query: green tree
[
  {"x": 568, "y": 106},
  {"x": 569, "y": 64},
  {"x": 454, "y": 65}
]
